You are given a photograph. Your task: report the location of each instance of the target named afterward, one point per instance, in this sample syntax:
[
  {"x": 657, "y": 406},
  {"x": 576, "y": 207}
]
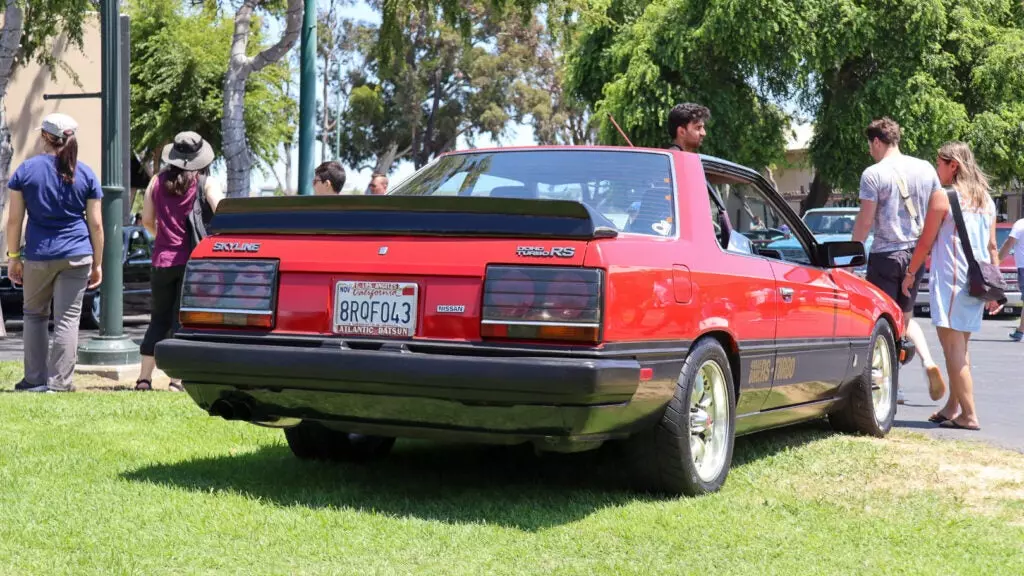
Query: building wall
[{"x": 26, "y": 107}]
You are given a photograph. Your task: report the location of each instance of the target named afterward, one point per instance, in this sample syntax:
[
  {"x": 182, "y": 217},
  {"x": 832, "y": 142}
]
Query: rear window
[{"x": 631, "y": 191}]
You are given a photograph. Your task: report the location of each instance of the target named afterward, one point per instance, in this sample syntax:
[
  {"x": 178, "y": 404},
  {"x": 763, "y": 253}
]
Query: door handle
[{"x": 787, "y": 294}]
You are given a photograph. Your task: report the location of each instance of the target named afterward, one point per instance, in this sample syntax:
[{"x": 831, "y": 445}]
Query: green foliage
[
  {"x": 445, "y": 85},
  {"x": 955, "y": 64},
  {"x": 179, "y": 61},
  {"x": 998, "y": 141},
  {"x": 46, "y": 20},
  {"x": 637, "y": 59},
  {"x": 943, "y": 69}
]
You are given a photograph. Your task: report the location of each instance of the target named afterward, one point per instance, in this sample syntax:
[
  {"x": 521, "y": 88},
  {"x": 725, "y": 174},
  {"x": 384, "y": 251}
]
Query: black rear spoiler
[{"x": 410, "y": 215}]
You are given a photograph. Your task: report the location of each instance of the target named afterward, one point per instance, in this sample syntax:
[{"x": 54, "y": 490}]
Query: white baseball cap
[{"x": 59, "y": 125}]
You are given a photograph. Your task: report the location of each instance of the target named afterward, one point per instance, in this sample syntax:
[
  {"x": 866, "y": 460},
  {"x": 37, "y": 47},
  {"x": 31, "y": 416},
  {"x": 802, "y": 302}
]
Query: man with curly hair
[{"x": 686, "y": 126}]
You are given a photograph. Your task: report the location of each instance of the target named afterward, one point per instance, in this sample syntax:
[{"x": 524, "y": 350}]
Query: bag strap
[
  {"x": 961, "y": 229},
  {"x": 907, "y": 201}
]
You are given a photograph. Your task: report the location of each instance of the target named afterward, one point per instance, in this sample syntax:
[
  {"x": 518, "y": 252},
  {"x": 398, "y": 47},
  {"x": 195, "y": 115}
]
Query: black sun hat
[{"x": 188, "y": 151}]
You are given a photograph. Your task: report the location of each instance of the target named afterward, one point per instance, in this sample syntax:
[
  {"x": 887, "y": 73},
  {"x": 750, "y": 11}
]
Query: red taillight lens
[
  {"x": 511, "y": 294},
  {"x": 567, "y": 296},
  {"x": 237, "y": 293},
  {"x": 542, "y": 303}
]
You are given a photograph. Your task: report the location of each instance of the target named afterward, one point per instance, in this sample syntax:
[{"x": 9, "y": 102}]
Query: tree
[
  {"x": 444, "y": 86},
  {"x": 28, "y": 32},
  {"x": 178, "y": 70},
  {"x": 241, "y": 65},
  {"x": 953, "y": 74},
  {"x": 636, "y": 59},
  {"x": 557, "y": 115}
]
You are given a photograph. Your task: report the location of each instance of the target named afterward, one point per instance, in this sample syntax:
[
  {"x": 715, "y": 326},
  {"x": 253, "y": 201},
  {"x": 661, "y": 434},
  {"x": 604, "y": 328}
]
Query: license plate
[{"x": 375, "y": 308}]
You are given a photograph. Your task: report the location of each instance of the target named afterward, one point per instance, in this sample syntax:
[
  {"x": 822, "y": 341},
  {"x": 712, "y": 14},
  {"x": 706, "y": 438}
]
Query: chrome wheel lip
[
  {"x": 881, "y": 379},
  {"x": 708, "y": 422}
]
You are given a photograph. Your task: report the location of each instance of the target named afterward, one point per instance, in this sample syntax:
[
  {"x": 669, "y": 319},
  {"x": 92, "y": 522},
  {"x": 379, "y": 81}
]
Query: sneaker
[
  {"x": 24, "y": 386},
  {"x": 1016, "y": 335},
  {"x": 44, "y": 389}
]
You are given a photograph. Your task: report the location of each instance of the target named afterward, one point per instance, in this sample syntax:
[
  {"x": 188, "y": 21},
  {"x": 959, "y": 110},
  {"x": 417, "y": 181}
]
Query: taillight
[
  {"x": 542, "y": 303},
  {"x": 229, "y": 293}
]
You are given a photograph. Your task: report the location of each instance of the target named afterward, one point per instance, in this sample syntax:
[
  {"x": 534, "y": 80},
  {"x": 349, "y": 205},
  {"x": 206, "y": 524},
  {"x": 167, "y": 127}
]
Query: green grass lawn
[{"x": 146, "y": 483}]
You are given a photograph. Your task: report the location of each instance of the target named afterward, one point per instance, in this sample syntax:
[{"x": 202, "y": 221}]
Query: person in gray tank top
[{"x": 894, "y": 195}]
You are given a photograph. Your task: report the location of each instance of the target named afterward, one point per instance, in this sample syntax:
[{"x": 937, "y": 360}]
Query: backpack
[{"x": 197, "y": 224}]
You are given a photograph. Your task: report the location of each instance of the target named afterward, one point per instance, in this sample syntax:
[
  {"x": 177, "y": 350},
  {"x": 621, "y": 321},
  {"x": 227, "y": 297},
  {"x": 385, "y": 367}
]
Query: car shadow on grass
[{"x": 456, "y": 483}]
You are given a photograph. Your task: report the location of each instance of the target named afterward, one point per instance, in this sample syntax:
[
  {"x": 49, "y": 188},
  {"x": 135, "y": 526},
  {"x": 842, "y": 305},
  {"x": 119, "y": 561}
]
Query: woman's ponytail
[{"x": 66, "y": 151}]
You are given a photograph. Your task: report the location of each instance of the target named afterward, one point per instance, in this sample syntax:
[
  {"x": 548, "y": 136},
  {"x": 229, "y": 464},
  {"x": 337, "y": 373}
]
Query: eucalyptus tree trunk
[
  {"x": 10, "y": 43},
  {"x": 237, "y": 156}
]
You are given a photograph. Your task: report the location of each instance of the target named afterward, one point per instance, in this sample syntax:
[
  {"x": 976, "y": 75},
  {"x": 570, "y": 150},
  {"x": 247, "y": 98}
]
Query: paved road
[
  {"x": 997, "y": 365},
  {"x": 996, "y": 362},
  {"x": 11, "y": 347}
]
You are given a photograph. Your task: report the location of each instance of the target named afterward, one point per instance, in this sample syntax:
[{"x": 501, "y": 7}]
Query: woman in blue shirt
[{"x": 63, "y": 251}]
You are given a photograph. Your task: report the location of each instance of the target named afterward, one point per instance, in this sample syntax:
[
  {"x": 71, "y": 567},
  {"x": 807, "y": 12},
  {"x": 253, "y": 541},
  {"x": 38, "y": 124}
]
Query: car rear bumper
[{"x": 447, "y": 395}]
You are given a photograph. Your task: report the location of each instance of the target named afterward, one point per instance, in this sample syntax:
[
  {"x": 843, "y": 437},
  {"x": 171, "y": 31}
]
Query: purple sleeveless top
[{"x": 171, "y": 246}]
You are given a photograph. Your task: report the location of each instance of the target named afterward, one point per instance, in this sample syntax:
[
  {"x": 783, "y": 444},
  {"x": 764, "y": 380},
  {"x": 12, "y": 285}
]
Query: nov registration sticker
[{"x": 386, "y": 309}]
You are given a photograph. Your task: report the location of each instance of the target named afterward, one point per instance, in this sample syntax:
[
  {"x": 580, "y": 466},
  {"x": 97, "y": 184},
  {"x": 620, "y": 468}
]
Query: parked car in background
[
  {"x": 1014, "y": 302},
  {"x": 828, "y": 225},
  {"x": 474, "y": 303},
  {"x": 137, "y": 254}
]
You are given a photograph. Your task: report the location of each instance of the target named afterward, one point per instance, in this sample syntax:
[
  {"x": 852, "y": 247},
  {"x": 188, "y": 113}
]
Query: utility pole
[
  {"x": 307, "y": 97},
  {"x": 111, "y": 347}
]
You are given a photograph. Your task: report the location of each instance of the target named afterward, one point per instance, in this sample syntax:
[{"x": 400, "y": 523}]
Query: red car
[
  {"x": 523, "y": 296},
  {"x": 1014, "y": 302}
]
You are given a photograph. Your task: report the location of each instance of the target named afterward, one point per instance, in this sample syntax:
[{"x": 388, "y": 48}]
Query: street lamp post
[
  {"x": 111, "y": 347},
  {"x": 307, "y": 97}
]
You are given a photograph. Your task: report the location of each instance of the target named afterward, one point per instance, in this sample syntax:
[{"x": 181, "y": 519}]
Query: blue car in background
[{"x": 828, "y": 225}]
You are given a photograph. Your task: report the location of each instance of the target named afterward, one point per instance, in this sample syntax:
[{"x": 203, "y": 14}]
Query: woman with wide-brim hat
[{"x": 169, "y": 199}]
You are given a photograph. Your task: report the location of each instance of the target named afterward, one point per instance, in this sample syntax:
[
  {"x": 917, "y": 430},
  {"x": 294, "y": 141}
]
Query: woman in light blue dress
[{"x": 955, "y": 313}]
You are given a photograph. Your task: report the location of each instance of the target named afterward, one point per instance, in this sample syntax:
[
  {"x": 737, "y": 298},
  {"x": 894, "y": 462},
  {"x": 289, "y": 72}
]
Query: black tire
[
  {"x": 660, "y": 458},
  {"x": 312, "y": 441},
  {"x": 857, "y": 415}
]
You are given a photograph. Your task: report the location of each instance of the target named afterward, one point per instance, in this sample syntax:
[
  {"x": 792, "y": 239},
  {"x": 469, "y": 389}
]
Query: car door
[
  {"x": 741, "y": 288},
  {"x": 809, "y": 364}
]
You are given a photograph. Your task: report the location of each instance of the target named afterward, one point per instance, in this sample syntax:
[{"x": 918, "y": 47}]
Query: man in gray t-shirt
[{"x": 894, "y": 194}]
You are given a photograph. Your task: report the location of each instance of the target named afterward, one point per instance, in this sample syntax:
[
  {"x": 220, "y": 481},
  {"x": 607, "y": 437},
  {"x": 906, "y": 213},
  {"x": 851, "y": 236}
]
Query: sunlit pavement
[{"x": 997, "y": 365}]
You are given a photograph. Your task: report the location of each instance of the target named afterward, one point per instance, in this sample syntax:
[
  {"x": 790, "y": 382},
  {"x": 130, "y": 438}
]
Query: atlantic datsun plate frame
[{"x": 378, "y": 309}]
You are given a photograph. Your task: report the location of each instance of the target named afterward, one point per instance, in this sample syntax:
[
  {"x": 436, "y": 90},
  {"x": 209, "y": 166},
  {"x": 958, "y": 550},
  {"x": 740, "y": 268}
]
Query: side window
[{"x": 765, "y": 230}]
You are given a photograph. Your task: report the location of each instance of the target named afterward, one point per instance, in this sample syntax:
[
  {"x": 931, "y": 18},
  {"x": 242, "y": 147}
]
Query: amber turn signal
[
  {"x": 232, "y": 319},
  {"x": 565, "y": 333}
]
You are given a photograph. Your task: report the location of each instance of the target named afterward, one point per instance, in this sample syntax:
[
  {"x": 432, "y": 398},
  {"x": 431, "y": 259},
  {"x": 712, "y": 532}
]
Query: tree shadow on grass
[{"x": 456, "y": 483}]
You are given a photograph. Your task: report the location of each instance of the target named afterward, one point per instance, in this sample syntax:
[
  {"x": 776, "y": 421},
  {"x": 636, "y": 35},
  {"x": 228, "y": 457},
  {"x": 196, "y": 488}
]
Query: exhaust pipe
[
  {"x": 222, "y": 408},
  {"x": 231, "y": 410}
]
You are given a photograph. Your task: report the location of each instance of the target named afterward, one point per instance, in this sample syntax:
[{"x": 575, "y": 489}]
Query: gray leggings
[{"x": 62, "y": 282}]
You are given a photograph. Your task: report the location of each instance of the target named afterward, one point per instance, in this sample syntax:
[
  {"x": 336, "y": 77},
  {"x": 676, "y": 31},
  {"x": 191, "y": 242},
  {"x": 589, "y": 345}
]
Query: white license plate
[{"x": 385, "y": 309}]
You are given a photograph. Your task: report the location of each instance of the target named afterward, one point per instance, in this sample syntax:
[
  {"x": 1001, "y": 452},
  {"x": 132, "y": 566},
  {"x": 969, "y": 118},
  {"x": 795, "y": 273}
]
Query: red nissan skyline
[{"x": 566, "y": 297}]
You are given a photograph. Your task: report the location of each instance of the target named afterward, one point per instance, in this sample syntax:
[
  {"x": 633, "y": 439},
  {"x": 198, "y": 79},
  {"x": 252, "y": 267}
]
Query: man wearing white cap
[{"x": 63, "y": 251}]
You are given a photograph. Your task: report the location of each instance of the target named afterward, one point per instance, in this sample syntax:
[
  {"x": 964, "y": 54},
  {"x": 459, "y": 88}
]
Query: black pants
[
  {"x": 887, "y": 269},
  {"x": 165, "y": 284}
]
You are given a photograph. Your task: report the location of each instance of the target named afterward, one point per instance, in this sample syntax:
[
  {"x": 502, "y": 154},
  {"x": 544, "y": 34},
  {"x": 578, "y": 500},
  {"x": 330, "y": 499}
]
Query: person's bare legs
[
  {"x": 148, "y": 366},
  {"x": 961, "y": 385},
  {"x": 936, "y": 385}
]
